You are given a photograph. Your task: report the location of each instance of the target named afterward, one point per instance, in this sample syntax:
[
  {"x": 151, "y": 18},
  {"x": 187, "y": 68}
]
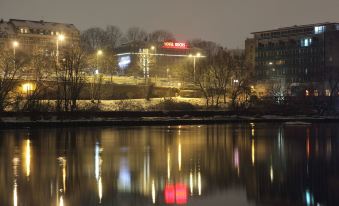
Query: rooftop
[{"x": 295, "y": 27}]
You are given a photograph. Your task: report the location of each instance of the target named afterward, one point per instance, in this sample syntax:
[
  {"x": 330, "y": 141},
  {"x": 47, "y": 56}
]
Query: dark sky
[{"x": 227, "y": 22}]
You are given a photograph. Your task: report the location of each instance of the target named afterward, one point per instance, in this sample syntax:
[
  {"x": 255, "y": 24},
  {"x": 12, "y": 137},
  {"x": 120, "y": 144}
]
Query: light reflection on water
[{"x": 238, "y": 164}]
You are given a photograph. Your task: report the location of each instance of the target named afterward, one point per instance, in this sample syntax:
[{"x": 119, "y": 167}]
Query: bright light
[
  {"x": 61, "y": 37},
  {"x": 27, "y": 87},
  {"x": 191, "y": 183},
  {"x": 190, "y": 55},
  {"x": 199, "y": 183},
  {"x": 97, "y": 71},
  {"x": 153, "y": 192},
  {"x": 253, "y": 152},
  {"x": 100, "y": 189},
  {"x": 271, "y": 63},
  {"x": 15, "y": 195},
  {"x": 152, "y": 47},
  {"x": 15, "y": 44},
  {"x": 198, "y": 54},
  {"x": 99, "y": 52},
  {"x": 271, "y": 173},
  {"x": 61, "y": 201},
  {"x": 28, "y": 158}
]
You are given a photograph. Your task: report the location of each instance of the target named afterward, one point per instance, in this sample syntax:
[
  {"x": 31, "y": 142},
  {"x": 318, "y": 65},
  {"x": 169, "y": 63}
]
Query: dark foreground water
[{"x": 231, "y": 164}]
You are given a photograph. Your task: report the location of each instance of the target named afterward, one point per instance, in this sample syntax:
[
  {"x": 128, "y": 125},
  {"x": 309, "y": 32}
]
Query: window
[
  {"x": 337, "y": 27},
  {"x": 316, "y": 93},
  {"x": 307, "y": 93},
  {"x": 305, "y": 42},
  {"x": 21, "y": 30},
  {"x": 327, "y": 92},
  {"x": 319, "y": 29}
]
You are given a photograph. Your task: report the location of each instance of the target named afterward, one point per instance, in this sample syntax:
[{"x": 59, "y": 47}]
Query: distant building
[
  {"x": 154, "y": 58},
  {"x": 300, "y": 59},
  {"x": 32, "y": 35}
]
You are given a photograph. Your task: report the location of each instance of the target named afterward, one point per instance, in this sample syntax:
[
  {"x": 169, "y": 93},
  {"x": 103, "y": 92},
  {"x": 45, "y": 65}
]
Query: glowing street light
[
  {"x": 60, "y": 38},
  {"x": 198, "y": 55},
  {"x": 153, "y": 48},
  {"x": 15, "y": 44}
]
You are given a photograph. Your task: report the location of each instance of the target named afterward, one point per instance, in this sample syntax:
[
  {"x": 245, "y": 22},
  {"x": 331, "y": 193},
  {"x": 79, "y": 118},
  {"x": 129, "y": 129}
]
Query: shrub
[{"x": 172, "y": 105}]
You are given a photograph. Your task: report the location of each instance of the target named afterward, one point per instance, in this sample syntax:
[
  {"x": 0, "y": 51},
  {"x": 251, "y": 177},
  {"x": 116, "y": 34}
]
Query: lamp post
[
  {"x": 198, "y": 55},
  {"x": 60, "y": 38},
  {"x": 15, "y": 44},
  {"x": 95, "y": 72}
]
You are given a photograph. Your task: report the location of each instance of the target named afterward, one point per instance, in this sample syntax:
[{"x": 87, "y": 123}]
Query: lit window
[
  {"x": 316, "y": 93},
  {"x": 21, "y": 30},
  {"x": 327, "y": 92},
  {"x": 307, "y": 93},
  {"x": 26, "y": 31},
  {"x": 306, "y": 42},
  {"x": 319, "y": 29},
  {"x": 52, "y": 33}
]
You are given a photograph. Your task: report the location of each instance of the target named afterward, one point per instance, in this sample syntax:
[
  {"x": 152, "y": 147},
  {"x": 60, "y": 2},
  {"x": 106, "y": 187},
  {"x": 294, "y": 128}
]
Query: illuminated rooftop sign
[{"x": 175, "y": 45}]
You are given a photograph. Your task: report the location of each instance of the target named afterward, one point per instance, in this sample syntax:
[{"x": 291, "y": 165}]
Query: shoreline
[{"x": 26, "y": 122}]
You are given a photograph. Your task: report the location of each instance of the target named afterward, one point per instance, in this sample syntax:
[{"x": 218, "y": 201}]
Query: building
[
  {"x": 299, "y": 59},
  {"x": 33, "y": 35},
  {"x": 155, "y": 58}
]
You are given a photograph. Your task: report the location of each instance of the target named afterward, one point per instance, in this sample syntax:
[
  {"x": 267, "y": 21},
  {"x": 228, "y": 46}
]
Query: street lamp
[
  {"x": 95, "y": 73},
  {"x": 99, "y": 53},
  {"x": 198, "y": 55},
  {"x": 60, "y": 38},
  {"x": 15, "y": 44}
]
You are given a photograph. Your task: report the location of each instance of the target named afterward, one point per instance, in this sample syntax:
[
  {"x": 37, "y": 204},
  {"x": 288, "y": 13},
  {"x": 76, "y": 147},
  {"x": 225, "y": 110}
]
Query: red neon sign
[
  {"x": 175, "y": 45},
  {"x": 169, "y": 194},
  {"x": 176, "y": 193}
]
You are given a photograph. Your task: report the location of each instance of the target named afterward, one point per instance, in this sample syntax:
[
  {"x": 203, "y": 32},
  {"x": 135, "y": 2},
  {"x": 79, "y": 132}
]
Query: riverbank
[{"x": 84, "y": 119}]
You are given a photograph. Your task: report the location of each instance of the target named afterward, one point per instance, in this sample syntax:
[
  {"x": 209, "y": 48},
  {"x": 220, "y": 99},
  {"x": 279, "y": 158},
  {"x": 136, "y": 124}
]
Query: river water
[{"x": 230, "y": 164}]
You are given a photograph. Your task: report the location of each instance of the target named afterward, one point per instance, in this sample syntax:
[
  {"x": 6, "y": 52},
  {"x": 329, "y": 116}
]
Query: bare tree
[
  {"x": 40, "y": 68},
  {"x": 160, "y": 36},
  {"x": 70, "y": 78},
  {"x": 10, "y": 71},
  {"x": 113, "y": 37},
  {"x": 136, "y": 34},
  {"x": 93, "y": 39}
]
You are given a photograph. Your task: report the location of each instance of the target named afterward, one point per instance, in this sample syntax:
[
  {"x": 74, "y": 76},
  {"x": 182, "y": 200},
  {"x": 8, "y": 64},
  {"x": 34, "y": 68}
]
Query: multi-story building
[
  {"x": 33, "y": 35},
  {"x": 300, "y": 59},
  {"x": 155, "y": 58}
]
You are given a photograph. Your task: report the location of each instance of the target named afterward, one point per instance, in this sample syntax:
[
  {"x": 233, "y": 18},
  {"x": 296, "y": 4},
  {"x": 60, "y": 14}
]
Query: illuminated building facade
[
  {"x": 300, "y": 59},
  {"x": 36, "y": 35},
  {"x": 153, "y": 58}
]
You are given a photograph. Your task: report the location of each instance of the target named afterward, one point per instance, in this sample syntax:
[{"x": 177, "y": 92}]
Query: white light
[
  {"x": 15, "y": 195},
  {"x": 97, "y": 161},
  {"x": 153, "y": 192},
  {"x": 199, "y": 183},
  {"x": 100, "y": 189},
  {"x": 28, "y": 158},
  {"x": 191, "y": 183},
  {"x": 61, "y": 202},
  {"x": 61, "y": 37},
  {"x": 97, "y": 71},
  {"x": 15, "y": 44},
  {"x": 271, "y": 173}
]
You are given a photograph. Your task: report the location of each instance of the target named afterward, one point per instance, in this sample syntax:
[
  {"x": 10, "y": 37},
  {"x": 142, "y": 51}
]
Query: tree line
[{"x": 222, "y": 76}]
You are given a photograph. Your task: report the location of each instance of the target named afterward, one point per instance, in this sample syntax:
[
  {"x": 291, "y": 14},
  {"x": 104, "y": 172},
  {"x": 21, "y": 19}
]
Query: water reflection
[{"x": 238, "y": 164}]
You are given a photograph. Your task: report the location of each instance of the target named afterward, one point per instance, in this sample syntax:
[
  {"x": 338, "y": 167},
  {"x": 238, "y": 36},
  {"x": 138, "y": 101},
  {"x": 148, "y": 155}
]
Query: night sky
[{"x": 227, "y": 22}]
